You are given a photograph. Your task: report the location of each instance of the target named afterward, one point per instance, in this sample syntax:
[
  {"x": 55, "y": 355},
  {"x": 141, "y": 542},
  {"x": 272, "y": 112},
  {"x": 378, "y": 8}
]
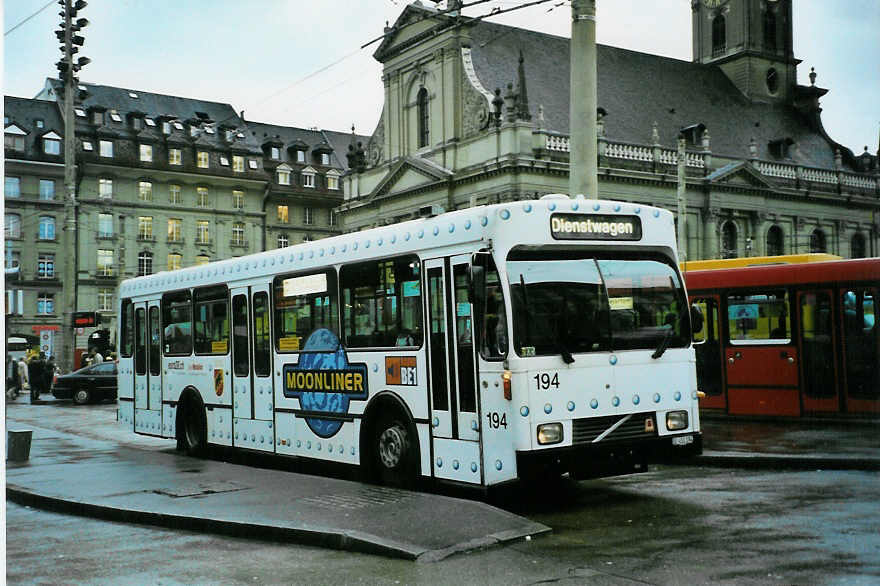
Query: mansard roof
[
  {"x": 23, "y": 114},
  {"x": 311, "y": 140}
]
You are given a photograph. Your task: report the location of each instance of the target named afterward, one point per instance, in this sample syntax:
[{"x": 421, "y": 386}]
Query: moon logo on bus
[{"x": 325, "y": 382}]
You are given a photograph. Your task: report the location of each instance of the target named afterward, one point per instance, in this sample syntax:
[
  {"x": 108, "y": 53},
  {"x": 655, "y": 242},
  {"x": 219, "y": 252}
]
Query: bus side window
[
  {"x": 212, "y": 320},
  {"x": 759, "y": 316},
  {"x": 262, "y": 341},
  {"x": 492, "y": 316},
  {"x": 127, "y": 336},
  {"x": 155, "y": 342},
  {"x": 303, "y": 305},
  {"x": 177, "y": 323}
]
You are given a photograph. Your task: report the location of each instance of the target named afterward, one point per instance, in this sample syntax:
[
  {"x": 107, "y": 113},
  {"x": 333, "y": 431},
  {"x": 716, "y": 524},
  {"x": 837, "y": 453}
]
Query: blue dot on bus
[
  {"x": 330, "y": 448},
  {"x": 615, "y": 401},
  {"x": 524, "y": 411},
  {"x": 379, "y": 242},
  {"x": 352, "y": 450},
  {"x": 656, "y": 213},
  {"x": 318, "y": 447},
  {"x": 393, "y": 238},
  {"x": 455, "y": 464},
  {"x": 344, "y": 247},
  {"x": 570, "y": 405},
  {"x": 439, "y": 462},
  {"x": 321, "y": 252},
  {"x": 548, "y": 408},
  {"x": 551, "y": 206},
  {"x": 694, "y": 395},
  {"x": 484, "y": 221},
  {"x": 436, "y": 230},
  {"x": 498, "y": 465},
  {"x": 354, "y": 246},
  {"x": 467, "y": 224},
  {"x": 677, "y": 396},
  {"x": 332, "y": 250},
  {"x": 451, "y": 228},
  {"x": 636, "y": 400},
  {"x": 435, "y": 422},
  {"x": 406, "y": 236},
  {"x": 301, "y": 256},
  {"x": 528, "y": 209},
  {"x": 311, "y": 254},
  {"x": 375, "y": 367},
  {"x": 505, "y": 214},
  {"x": 421, "y": 234},
  {"x": 341, "y": 449},
  {"x": 613, "y": 360},
  {"x": 596, "y": 207},
  {"x": 594, "y": 404},
  {"x": 474, "y": 425},
  {"x": 473, "y": 467},
  {"x": 617, "y": 207},
  {"x": 308, "y": 445},
  {"x": 575, "y": 205},
  {"x": 656, "y": 397},
  {"x": 638, "y": 210},
  {"x": 367, "y": 244}
]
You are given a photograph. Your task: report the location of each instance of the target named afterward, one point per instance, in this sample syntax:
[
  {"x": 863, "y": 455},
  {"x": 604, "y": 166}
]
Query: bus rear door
[
  {"x": 861, "y": 349},
  {"x": 147, "y": 369},
  {"x": 452, "y": 388},
  {"x": 819, "y": 389}
]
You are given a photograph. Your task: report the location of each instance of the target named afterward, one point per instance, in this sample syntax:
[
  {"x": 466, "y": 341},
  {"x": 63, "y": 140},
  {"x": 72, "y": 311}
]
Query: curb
[{"x": 764, "y": 462}]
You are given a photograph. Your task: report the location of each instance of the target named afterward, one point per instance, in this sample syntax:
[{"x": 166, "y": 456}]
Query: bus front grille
[{"x": 638, "y": 426}]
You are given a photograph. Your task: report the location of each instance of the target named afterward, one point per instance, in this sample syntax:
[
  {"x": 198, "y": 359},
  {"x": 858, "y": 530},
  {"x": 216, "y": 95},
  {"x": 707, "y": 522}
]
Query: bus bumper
[{"x": 608, "y": 459}]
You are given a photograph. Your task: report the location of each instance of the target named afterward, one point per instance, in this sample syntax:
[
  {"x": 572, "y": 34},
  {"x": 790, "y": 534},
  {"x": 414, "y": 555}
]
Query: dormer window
[
  {"x": 39, "y": 123},
  {"x": 693, "y": 134},
  {"x": 275, "y": 153},
  {"x": 252, "y": 164},
  {"x": 13, "y": 138},
  {"x": 146, "y": 152},
  {"x": 80, "y": 112},
  {"x": 333, "y": 179},
  {"x": 193, "y": 130},
  {"x": 325, "y": 159},
  {"x": 178, "y": 126},
  {"x": 202, "y": 159},
  {"x": 238, "y": 163},
  {"x": 137, "y": 123},
  {"x": 106, "y": 148},
  {"x": 114, "y": 115},
  {"x": 166, "y": 128},
  {"x": 283, "y": 174},
  {"x": 308, "y": 177},
  {"x": 52, "y": 144},
  {"x": 209, "y": 129},
  {"x": 224, "y": 161},
  {"x": 300, "y": 156},
  {"x": 149, "y": 122},
  {"x": 780, "y": 148},
  {"x": 88, "y": 146},
  {"x": 132, "y": 95},
  {"x": 97, "y": 118}
]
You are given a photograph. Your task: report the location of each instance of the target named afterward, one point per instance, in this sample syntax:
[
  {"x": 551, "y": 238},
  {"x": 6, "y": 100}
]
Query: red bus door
[
  {"x": 861, "y": 350},
  {"x": 761, "y": 356},
  {"x": 710, "y": 372},
  {"x": 819, "y": 392}
]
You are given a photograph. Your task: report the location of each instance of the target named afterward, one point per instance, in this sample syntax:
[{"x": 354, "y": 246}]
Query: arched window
[
  {"x": 422, "y": 101},
  {"x": 774, "y": 241},
  {"x": 769, "y": 30},
  {"x": 857, "y": 247},
  {"x": 728, "y": 240},
  {"x": 47, "y": 228},
  {"x": 145, "y": 263},
  {"x": 817, "y": 241},
  {"x": 719, "y": 35}
]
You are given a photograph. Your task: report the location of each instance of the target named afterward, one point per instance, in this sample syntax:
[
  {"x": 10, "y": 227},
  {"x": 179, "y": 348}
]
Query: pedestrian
[
  {"x": 97, "y": 358},
  {"x": 23, "y": 374},
  {"x": 49, "y": 374}
]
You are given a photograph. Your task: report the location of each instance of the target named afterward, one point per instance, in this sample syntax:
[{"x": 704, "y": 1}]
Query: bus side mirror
[
  {"x": 697, "y": 320},
  {"x": 476, "y": 284}
]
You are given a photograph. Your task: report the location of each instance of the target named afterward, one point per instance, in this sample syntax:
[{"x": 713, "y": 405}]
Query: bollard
[{"x": 18, "y": 445}]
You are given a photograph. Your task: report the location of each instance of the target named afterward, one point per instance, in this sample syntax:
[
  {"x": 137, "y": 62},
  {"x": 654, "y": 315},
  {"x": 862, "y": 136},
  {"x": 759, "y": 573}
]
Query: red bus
[{"x": 789, "y": 340}]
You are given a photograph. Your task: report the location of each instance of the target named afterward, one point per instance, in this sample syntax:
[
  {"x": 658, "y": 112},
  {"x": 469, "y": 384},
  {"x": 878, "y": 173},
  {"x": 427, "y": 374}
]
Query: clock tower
[{"x": 751, "y": 41}]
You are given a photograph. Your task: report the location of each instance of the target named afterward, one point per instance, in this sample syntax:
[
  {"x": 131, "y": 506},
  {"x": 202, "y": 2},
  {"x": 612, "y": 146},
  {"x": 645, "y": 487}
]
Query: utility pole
[
  {"x": 681, "y": 200},
  {"x": 583, "y": 167},
  {"x": 71, "y": 42}
]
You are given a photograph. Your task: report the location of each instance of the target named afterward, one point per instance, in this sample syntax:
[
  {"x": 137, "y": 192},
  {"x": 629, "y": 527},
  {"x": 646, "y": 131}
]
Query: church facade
[{"x": 476, "y": 112}]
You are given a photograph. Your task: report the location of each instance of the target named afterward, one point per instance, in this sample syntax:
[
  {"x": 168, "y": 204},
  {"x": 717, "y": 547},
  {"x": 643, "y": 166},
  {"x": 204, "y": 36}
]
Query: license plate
[{"x": 682, "y": 440}]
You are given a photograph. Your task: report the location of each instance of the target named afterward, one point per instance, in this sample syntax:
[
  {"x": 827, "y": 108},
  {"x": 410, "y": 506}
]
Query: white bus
[{"x": 476, "y": 346}]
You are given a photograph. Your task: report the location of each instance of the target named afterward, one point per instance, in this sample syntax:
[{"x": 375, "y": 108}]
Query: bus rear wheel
[
  {"x": 394, "y": 452},
  {"x": 192, "y": 428}
]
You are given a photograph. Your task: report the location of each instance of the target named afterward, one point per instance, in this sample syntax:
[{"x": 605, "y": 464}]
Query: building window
[
  {"x": 105, "y": 225},
  {"x": 114, "y": 115},
  {"x": 202, "y": 260},
  {"x": 283, "y": 241},
  {"x": 772, "y": 80},
  {"x": 332, "y": 182},
  {"x": 47, "y": 189},
  {"x": 149, "y": 122},
  {"x": 275, "y": 153},
  {"x": 331, "y": 219},
  {"x": 422, "y": 100},
  {"x": 175, "y": 230},
  {"x": 145, "y": 227},
  {"x": 202, "y": 159},
  {"x": 300, "y": 156},
  {"x": 13, "y": 142},
  {"x": 325, "y": 159},
  {"x": 728, "y": 240},
  {"x": 203, "y": 232},
  {"x": 146, "y": 153},
  {"x": 137, "y": 123},
  {"x": 224, "y": 161},
  {"x": 238, "y": 163},
  {"x": 51, "y": 146},
  {"x": 12, "y": 187},
  {"x": 308, "y": 216},
  {"x": 283, "y": 214},
  {"x": 719, "y": 35},
  {"x": 774, "y": 241},
  {"x": 80, "y": 112},
  {"x": 175, "y": 261},
  {"x": 145, "y": 263},
  {"x": 106, "y": 148},
  {"x": 88, "y": 146},
  {"x": 252, "y": 164},
  {"x": 46, "y": 266},
  {"x": 145, "y": 191},
  {"x": 47, "y": 228},
  {"x": 769, "y": 30},
  {"x": 105, "y": 299},
  {"x": 12, "y": 225},
  {"x": 283, "y": 177},
  {"x": 238, "y": 234},
  {"x": 202, "y": 197},
  {"x": 307, "y": 238},
  {"x": 237, "y": 199},
  {"x": 174, "y": 193},
  {"x": 45, "y": 303},
  {"x": 105, "y": 188},
  {"x": 39, "y": 122},
  {"x": 105, "y": 263},
  {"x": 818, "y": 242},
  {"x": 174, "y": 157},
  {"x": 97, "y": 118},
  {"x": 166, "y": 128},
  {"x": 857, "y": 247},
  {"x": 308, "y": 179}
]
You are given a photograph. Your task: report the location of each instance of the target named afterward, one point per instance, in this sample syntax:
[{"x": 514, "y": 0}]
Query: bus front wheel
[
  {"x": 394, "y": 452},
  {"x": 192, "y": 428}
]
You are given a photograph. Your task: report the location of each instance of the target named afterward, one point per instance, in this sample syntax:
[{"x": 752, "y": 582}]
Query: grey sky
[{"x": 254, "y": 54}]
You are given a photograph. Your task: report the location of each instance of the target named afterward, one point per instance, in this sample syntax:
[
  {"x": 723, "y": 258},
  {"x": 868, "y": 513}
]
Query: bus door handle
[
  {"x": 784, "y": 355},
  {"x": 734, "y": 357}
]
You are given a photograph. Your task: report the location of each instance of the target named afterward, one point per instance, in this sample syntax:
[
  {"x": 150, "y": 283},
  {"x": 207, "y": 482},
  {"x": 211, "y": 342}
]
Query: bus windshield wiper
[
  {"x": 664, "y": 343},
  {"x": 528, "y": 313},
  {"x": 560, "y": 344}
]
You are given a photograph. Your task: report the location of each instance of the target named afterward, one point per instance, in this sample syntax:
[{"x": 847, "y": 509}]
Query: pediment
[
  {"x": 284, "y": 167},
  {"x": 408, "y": 174},
  {"x": 414, "y": 22},
  {"x": 51, "y": 135},
  {"x": 15, "y": 129},
  {"x": 741, "y": 174}
]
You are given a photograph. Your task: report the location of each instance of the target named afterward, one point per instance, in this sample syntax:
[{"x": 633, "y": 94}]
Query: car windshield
[{"x": 567, "y": 302}]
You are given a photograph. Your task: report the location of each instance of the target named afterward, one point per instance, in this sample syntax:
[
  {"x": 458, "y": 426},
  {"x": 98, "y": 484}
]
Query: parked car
[{"x": 92, "y": 383}]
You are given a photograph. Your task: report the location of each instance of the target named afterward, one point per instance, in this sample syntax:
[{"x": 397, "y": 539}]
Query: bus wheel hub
[{"x": 391, "y": 446}]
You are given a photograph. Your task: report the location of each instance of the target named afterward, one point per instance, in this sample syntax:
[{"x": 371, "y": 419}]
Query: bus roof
[
  {"x": 753, "y": 261},
  {"x": 822, "y": 273},
  {"x": 449, "y": 233}
]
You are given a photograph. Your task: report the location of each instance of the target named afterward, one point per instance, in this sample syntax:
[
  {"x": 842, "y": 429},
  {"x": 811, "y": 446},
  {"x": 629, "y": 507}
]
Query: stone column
[
  {"x": 759, "y": 233},
  {"x": 711, "y": 216}
]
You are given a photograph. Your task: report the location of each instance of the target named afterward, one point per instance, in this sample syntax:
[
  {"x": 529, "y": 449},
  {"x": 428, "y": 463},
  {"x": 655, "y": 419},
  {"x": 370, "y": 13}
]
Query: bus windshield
[{"x": 566, "y": 303}]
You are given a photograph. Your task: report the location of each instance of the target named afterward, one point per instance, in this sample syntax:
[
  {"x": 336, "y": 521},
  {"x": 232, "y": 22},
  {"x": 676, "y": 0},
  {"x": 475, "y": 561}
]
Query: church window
[
  {"x": 422, "y": 101},
  {"x": 719, "y": 35},
  {"x": 769, "y": 30},
  {"x": 818, "y": 243},
  {"x": 728, "y": 240},
  {"x": 857, "y": 248},
  {"x": 774, "y": 241},
  {"x": 772, "y": 80}
]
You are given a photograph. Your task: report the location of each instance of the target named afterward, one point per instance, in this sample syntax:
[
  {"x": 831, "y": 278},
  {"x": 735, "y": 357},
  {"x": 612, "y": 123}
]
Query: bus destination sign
[{"x": 595, "y": 227}]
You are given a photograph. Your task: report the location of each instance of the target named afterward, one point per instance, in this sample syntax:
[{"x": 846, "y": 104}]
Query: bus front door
[
  {"x": 147, "y": 369},
  {"x": 452, "y": 389},
  {"x": 710, "y": 360},
  {"x": 861, "y": 349}
]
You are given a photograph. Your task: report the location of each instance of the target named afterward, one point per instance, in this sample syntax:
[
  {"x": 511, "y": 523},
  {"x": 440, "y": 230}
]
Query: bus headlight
[
  {"x": 549, "y": 433},
  {"x": 676, "y": 420}
]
